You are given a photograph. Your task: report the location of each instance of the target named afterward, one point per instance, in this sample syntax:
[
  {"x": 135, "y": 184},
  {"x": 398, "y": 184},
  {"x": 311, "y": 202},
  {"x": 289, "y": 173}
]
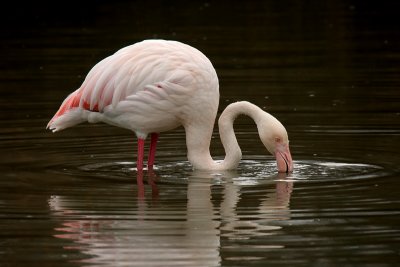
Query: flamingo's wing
[
  {"x": 161, "y": 96},
  {"x": 139, "y": 79},
  {"x": 105, "y": 84},
  {"x": 118, "y": 85},
  {"x": 146, "y": 79},
  {"x": 97, "y": 90}
]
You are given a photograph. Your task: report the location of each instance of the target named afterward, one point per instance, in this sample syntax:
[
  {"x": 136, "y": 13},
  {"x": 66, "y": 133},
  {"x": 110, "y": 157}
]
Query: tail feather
[
  {"x": 69, "y": 113},
  {"x": 69, "y": 119}
]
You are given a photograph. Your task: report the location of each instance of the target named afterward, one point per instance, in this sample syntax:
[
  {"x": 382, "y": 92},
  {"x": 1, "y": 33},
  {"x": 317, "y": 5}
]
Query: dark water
[{"x": 328, "y": 71}]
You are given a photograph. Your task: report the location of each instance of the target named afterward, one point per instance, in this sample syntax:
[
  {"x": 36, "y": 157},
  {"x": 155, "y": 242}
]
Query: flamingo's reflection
[{"x": 156, "y": 234}]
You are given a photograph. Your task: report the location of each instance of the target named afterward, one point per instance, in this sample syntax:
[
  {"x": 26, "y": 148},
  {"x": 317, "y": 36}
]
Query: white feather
[{"x": 157, "y": 85}]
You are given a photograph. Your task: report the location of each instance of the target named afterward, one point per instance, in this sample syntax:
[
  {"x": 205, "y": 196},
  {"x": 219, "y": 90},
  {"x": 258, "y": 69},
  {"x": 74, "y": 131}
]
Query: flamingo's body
[{"x": 155, "y": 86}]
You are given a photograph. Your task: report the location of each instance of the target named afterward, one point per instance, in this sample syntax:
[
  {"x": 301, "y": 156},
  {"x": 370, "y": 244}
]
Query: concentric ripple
[{"x": 250, "y": 171}]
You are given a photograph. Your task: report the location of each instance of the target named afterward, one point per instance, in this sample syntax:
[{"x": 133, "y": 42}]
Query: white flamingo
[{"x": 155, "y": 86}]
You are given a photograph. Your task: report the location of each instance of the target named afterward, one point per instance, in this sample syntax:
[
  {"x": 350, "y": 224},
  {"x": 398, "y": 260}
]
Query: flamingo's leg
[
  {"x": 140, "y": 154},
  {"x": 152, "y": 179},
  {"x": 152, "y": 152},
  {"x": 140, "y": 184}
]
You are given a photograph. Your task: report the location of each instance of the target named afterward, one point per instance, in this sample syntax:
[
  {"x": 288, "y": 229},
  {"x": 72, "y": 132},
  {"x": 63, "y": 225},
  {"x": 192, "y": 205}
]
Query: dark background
[{"x": 291, "y": 42}]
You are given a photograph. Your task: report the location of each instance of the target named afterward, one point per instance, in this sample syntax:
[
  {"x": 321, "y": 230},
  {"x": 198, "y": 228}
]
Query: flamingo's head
[{"x": 275, "y": 138}]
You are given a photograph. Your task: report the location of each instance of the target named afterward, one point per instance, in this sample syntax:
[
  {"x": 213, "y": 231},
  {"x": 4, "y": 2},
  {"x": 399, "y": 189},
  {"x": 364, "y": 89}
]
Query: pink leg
[
  {"x": 140, "y": 184},
  {"x": 152, "y": 152},
  {"x": 152, "y": 178},
  {"x": 140, "y": 154}
]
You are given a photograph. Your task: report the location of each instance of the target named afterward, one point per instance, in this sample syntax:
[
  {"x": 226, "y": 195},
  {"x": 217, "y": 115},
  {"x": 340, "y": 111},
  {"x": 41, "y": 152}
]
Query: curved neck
[{"x": 198, "y": 138}]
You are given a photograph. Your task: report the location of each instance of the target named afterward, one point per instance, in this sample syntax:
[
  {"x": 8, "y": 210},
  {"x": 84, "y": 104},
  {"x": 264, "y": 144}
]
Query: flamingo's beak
[{"x": 284, "y": 160}]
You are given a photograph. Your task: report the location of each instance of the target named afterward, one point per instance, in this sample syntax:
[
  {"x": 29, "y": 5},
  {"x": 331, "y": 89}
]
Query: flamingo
[{"x": 154, "y": 86}]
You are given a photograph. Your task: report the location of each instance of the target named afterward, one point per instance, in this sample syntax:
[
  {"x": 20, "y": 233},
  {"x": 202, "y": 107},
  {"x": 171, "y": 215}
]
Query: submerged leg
[
  {"x": 140, "y": 184},
  {"x": 152, "y": 152},
  {"x": 140, "y": 154},
  {"x": 152, "y": 181}
]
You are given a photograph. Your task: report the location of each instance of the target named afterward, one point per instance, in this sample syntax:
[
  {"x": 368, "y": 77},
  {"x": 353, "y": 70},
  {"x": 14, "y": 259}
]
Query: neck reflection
[{"x": 159, "y": 225}]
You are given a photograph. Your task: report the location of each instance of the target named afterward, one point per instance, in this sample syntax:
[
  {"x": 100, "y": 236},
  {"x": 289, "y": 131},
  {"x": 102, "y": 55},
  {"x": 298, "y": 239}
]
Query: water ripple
[{"x": 250, "y": 171}]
